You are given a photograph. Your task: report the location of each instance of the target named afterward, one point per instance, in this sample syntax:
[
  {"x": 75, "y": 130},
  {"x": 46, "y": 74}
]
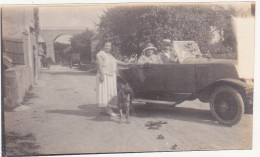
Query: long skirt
[{"x": 106, "y": 91}]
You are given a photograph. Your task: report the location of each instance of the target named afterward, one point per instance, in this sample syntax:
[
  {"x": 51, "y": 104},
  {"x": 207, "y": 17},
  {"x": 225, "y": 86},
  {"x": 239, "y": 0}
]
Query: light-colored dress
[{"x": 107, "y": 89}]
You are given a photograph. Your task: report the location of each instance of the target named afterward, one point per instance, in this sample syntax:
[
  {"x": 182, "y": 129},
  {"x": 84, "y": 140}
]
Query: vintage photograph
[{"x": 123, "y": 78}]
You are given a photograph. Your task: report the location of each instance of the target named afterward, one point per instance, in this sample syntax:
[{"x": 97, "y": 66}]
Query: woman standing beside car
[{"x": 106, "y": 79}]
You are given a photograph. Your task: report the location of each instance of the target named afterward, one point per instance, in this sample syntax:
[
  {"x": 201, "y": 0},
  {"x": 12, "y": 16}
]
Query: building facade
[{"x": 20, "y": 29}]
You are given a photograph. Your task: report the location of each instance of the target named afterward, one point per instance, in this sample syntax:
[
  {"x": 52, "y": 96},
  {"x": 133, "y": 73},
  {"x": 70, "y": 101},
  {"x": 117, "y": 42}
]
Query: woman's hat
[
  {"x": 149, "y": 46},
  {"x": 166, "y": 42}
]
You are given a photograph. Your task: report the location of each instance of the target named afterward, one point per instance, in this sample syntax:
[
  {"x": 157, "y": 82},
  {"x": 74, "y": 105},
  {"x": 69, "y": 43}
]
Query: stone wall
[
  {"x": 19, "y": 23},
  {"x": 16, "y": 84}
]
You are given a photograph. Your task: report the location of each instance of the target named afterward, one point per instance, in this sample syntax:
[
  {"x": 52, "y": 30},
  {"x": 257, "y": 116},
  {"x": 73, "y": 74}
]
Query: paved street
[{"x": 59, "y": 116}]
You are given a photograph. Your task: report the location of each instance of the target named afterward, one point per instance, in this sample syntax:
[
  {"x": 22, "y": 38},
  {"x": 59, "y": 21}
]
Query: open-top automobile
[{"x": 196, "y": 76}]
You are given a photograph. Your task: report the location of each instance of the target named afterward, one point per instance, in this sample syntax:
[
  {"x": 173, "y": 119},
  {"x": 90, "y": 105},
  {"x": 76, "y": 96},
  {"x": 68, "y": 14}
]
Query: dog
[{"x": 125, "y": 96}]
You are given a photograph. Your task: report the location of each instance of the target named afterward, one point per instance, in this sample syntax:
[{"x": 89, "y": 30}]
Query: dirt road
[{"x": 59, "y": 116}]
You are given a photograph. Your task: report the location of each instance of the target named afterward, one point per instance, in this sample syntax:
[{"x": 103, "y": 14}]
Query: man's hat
[{"x": 166, "y": 42}]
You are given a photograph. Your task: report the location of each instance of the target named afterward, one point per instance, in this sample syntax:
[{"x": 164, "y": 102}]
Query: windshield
[{"x": 186, "y": 49}]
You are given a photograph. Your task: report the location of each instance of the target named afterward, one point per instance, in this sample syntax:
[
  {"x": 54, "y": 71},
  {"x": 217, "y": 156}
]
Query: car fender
[
  {"x": 239, "y": 85},
  {"x": 230, "y": 81}
]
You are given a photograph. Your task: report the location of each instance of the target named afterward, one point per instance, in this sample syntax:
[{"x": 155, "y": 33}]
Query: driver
[{"x": 168, "y": 54}]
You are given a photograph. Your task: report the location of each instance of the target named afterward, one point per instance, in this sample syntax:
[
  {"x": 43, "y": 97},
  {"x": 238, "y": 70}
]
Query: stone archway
[{"x": 49, "y": 35}]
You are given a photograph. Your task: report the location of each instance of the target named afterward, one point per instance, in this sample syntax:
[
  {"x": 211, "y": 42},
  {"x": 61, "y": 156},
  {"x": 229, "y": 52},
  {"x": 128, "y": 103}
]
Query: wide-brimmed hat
[
  {"x": 149, "y": 46},
  {"x": 166, "y": 42}
]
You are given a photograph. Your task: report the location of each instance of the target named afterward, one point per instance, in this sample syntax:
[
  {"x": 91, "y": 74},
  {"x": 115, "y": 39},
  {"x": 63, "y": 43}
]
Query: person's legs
[
  {"x": 109, "y": 111},
  {"x": 107, "y": 94}
]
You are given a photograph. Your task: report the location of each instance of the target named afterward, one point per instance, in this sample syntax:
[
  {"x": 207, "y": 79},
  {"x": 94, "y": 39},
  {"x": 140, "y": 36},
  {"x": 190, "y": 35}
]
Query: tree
[
  {"x": 60, "y": 46},
  {"x": 59, "y": 50},
  {"x": 81, "y": 43},
  {"x": 131, "y": 27}
]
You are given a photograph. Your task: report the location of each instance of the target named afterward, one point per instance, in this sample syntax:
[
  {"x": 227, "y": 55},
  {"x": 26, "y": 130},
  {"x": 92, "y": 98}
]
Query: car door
[
  {"x": 146, "y": 77},
  {"x": 153, "y": 77},
  {"x": 181, "y": 78}
]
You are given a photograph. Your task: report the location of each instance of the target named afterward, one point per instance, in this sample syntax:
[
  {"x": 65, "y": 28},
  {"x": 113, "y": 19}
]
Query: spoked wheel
[{"x": 227, "y": 105}]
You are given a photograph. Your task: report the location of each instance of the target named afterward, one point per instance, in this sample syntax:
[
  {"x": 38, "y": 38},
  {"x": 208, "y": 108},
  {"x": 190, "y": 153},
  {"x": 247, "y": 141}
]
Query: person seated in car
[
  {"x": 149, "y": 56},
  {"x": 133, "y": 58},
  {"x": 168, "y": 54}
]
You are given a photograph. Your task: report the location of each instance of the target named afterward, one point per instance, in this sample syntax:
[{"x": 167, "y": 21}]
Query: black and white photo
[{"x": 127, "y": 78}]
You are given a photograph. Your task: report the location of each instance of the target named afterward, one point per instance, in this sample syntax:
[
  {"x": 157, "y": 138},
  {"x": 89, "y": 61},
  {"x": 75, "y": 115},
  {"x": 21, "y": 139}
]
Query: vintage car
[
  {"x": 196, "y": 76},
  {"x": 75, "y": 59}
]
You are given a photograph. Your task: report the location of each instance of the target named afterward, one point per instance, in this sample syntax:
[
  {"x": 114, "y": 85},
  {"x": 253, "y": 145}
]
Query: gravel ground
[{"x": 60, "y": 117}]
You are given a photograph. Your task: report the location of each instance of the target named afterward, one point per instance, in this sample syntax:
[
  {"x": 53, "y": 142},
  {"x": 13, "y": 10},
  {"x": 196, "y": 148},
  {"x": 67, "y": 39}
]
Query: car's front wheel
[{"x": 227, "y": 105}]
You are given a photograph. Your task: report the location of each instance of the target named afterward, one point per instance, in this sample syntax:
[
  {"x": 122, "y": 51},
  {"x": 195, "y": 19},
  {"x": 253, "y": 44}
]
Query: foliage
[
  {"x": 59, "y": 51},
  {"x": 131, "y": 27},
  {"x": 81, "y": 43},
  {"x": 60, "y": 46}
]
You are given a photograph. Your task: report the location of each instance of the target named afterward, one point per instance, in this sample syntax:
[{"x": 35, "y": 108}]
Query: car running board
[
  {"x": 158, "y": 101},
  {"x": 154, "y": 101}
]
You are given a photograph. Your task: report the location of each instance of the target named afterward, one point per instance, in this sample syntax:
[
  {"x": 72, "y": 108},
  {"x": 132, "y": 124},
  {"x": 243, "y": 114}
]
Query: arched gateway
[{"x": 49, "y": 35}]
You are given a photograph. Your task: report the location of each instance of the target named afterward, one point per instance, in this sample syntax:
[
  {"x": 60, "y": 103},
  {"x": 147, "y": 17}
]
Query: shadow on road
[
  {"x": 89, "y": 110},
  {"x": 147, "y": 111},
  {"x": 177, "y": 113},
  {"x": 74, "y": 112},
  {"x": 17, "y": 144},
  {"x": 103, "y": 117}
]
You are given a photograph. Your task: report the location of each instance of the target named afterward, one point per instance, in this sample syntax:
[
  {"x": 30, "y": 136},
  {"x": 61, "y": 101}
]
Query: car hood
[
  {"x": 241, "y": 67},
  {"x": 202, "y": 60}
]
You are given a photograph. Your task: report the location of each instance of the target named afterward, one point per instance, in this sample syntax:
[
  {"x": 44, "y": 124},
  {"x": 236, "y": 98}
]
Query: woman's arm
[{"x": 120, "y": 62}]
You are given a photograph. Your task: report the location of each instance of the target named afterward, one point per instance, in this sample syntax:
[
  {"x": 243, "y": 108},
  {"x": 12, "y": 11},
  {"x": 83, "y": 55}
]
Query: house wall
[
  {"x": 19, "y": 23},
  {"x": 16, "y": 84},
  {"x": 13, "y": 22}
]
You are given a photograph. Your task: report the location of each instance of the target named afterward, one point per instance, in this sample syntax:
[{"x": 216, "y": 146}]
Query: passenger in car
[
  {"x": 168, "y": 54},
  {"x": 149, "y": 56}
]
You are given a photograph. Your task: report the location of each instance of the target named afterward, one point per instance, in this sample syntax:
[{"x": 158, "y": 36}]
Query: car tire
[{"x": 227, "y": 105}]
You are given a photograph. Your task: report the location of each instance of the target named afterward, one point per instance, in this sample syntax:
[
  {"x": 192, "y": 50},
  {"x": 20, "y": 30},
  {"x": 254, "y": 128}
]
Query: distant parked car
[
  {"x": 75, "y": 59},
  {"x": 195, "y": 76},
  {"x": 46, "y": 62}
]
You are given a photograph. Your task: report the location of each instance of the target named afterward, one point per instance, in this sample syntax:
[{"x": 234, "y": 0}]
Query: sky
[{"x": 84, "y": 16}]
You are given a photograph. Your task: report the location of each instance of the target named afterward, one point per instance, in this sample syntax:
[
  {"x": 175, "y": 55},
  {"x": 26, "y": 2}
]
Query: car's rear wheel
[{"x": 227, "y": 105}]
